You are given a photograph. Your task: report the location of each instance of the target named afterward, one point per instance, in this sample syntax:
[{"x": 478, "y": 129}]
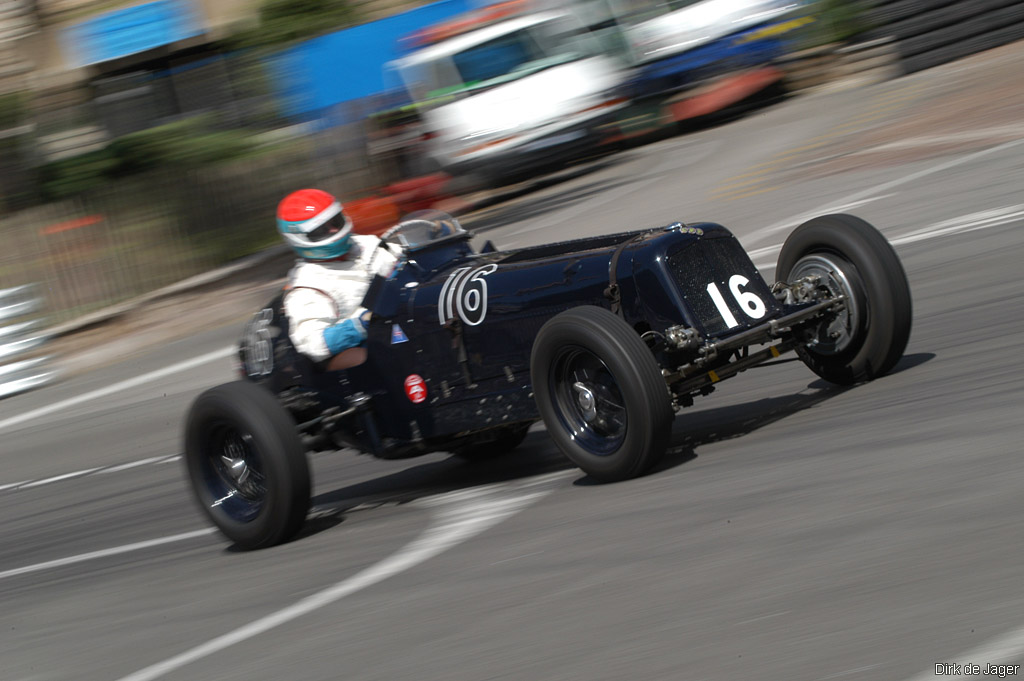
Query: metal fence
[
  {"x": 144, "y": 232},
  {"x": 22, "y": 367}
]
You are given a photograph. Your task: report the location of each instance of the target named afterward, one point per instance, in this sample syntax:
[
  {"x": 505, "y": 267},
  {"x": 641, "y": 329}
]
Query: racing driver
[{"x": 326, "y": 287}]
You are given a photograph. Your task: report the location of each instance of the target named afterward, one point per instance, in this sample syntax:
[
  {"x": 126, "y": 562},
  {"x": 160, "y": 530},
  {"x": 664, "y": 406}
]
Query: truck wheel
[
  {"x": 851, "y": 257},
  {"x": 601, "y": 394},
  {"x": 247, "y": 466}
]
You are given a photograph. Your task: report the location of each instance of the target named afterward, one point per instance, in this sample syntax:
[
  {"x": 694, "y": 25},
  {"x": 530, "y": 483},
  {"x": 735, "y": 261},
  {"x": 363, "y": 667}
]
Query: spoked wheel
[
  {"x": 234, "y": 473},
  {"x": 600, "y": 393},
  {"x": 589, "y": 401},
  {"x": 842, "y": 254},
  {"x": 247, "y": 466}
]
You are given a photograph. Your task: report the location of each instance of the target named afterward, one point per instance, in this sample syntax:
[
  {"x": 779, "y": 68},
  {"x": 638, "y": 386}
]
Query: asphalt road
[{"x": 795, "y": 531}]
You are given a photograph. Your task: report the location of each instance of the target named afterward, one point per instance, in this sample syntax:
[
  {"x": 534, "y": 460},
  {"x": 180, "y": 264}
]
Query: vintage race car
[{"x": 603, "y": 339}]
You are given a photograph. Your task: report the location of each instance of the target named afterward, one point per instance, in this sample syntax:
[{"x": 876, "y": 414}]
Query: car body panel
[{"x": 450, "y": 340}]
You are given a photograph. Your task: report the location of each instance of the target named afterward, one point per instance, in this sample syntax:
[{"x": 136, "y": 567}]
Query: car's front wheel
[
  {"x": 247, "y": 466},
  {"x": 601, "y": 394},
  {"x": 843, "y": 254}
]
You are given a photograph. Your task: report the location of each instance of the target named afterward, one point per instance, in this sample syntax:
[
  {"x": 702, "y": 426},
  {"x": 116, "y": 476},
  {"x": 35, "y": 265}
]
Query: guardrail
[{"x": 22, "y": 338}]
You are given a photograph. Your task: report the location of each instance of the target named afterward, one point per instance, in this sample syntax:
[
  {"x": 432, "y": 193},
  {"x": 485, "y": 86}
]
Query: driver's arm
[{"x": 315, "y": 328}]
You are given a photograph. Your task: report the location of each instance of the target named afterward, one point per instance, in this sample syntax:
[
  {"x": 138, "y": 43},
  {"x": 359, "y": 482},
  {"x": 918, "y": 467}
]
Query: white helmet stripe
[{"x": 317, "y": 220}]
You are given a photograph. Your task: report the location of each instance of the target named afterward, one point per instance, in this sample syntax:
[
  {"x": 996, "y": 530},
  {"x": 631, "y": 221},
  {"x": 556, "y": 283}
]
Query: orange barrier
[
  {"x": 68, "y": 225},
  {"x": 375, "y": 214},
  {"x": 372, "y": 215},
  {"x": 722, "y": 93}
]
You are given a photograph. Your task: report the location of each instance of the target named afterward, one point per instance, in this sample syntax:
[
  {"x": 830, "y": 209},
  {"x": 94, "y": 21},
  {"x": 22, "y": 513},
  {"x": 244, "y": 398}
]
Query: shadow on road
[
  {"x": 727, "y": 423},
  {"x": 538, "y": 454},
  {"x": 912, "y": 361}
]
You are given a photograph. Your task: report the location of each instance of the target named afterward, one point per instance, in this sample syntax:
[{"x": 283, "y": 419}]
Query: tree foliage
[
  {"x": 284, "y": 21},
  {"x": 839, "y": 20}
]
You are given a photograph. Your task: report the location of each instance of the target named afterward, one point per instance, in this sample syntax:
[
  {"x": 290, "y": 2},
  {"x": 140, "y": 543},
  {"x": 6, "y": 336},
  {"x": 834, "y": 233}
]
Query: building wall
[{"x": 43, "y": 26}]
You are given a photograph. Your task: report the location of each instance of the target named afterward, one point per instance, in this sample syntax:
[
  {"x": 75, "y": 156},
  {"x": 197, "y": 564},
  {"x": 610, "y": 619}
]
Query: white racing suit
[{"x": 324, "y": 299}]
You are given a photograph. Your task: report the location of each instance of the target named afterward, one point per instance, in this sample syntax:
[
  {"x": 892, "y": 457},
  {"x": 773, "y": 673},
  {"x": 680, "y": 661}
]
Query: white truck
[{"x": 509, "y": 94}]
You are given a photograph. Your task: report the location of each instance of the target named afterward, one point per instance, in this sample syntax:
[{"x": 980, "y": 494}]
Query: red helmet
[{"x": 314, "y": 224}]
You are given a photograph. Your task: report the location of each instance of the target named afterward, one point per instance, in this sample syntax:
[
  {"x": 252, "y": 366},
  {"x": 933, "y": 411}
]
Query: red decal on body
[{"x": 415, "y": 388}]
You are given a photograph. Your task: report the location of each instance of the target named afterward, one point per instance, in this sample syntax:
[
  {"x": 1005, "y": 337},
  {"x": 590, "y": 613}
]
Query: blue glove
[{"x": 349, "y": 333}]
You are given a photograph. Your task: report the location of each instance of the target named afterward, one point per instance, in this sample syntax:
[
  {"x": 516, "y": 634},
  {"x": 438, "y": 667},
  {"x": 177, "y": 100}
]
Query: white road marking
[
  {"x": 136, "y": 464},
  {"x": 104, "y": 553},
  {"x": 834, "y": 208},
  {"x": 951, "y": 138},
  {"x": 995, "y": 217},
  {"x": 763, "y": 617},
  {"x": 26, "y": 484},
  {"x": 458, "y": 516},
  {"x": 525, "y": 555},
  {"x": 868, "y": 194},
  {"x": 1007, "y": 648},
  {"x": 58, "y": 478},
  {"x": 117, "y": 387},
  {"x": 857, "y": 670}
]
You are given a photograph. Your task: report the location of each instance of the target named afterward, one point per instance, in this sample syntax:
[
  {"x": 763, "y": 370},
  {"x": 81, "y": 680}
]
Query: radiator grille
[{"x": 715, "y": 260}]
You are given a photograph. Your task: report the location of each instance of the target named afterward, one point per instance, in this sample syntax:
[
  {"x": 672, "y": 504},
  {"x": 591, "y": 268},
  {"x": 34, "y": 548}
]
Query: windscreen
[{"x": 423, "y": 227}]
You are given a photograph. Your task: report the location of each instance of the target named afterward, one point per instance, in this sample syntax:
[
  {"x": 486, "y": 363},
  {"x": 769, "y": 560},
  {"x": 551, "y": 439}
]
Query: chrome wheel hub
[
  {"x": 830, "y": 279},
  {"x": 586, "y": 400},
  {"x": 234, "y": 463}
]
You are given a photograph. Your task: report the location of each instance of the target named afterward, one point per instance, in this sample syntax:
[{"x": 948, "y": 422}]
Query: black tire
[
  {"x": 505, "y": 440},
  {"x": 854, "y": 258},
  {"x": 601, "y": 394},
  {"x": 247, "y": 465}
]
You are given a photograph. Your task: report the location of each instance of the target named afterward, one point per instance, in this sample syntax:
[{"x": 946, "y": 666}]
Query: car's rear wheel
[
  {"x": 847, "y": 255},
  {"x": 601, "y": 394},
  {"x": 247, "y": 466}
]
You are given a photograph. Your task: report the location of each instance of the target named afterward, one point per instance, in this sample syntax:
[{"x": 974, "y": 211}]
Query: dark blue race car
[{"x": 603, "y": 339}]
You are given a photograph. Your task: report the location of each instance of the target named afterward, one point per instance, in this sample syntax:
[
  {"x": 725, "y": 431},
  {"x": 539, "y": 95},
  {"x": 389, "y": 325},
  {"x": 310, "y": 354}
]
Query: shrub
[
  {"x": 76, "y": 175},
  {"x": 187, "y": 143}
]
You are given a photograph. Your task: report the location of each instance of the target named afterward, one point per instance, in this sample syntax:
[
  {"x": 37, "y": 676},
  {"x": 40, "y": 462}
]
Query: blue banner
[
  {"x": 131, "y": 30},
  {"x": 321, "y": 73}
]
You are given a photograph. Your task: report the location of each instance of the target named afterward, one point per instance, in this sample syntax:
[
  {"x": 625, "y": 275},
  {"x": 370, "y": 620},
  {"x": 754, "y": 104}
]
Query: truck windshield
[
  {"x": 632, "y": 12},
  {"x": 502, "y": 59}
]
